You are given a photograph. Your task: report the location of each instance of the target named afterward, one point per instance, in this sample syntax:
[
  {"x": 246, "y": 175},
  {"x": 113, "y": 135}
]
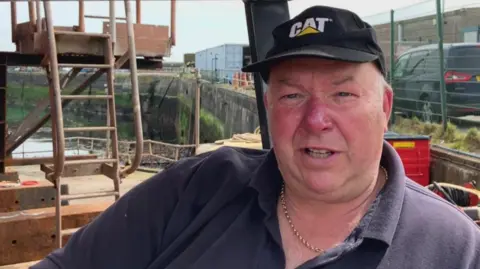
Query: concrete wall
[{"x": 423, "y": 30}]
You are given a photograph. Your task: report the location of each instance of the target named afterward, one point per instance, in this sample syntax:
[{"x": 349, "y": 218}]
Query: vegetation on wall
[
  {"x": 453, "y": 138},
  {"x": 23, "y": 98},
  {"x": 211, "y": 128}
]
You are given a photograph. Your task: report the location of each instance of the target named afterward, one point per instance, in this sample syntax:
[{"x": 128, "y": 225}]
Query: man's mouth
[{"x": 319, "y": 153}]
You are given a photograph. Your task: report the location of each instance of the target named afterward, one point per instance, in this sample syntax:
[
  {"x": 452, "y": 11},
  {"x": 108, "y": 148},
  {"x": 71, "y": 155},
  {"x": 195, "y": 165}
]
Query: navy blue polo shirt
[{"x": 218, "y": 210}]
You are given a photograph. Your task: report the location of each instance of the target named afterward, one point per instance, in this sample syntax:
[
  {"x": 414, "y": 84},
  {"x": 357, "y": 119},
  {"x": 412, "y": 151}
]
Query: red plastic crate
[{"x": 414, "y": 152}]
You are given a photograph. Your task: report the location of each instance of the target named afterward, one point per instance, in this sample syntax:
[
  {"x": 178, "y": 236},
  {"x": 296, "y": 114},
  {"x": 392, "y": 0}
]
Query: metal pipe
[
  {"x": 31, "y": 12},
  {"x": 81, "y": 16},
  {"x": 135, "y": 95},
  {"x": 108, "y": 142},
  {"x": 104, "y": 17},
  {"x": 13, "y": 16},
  {"x": 392, "y": 59},
  {"x": 39, "y": 16},
  {"x": 443, "y": 99},
  {"x": 57, "y": 118},
  {"x": 197, "y": 112},
  {"x": 173, "y": 14},
  {"x": 139, "y": 11}
]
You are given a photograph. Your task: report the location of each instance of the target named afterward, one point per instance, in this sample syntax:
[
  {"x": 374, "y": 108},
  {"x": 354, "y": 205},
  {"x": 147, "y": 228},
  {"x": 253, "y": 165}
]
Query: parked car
[{"x": 416, "y": 81}]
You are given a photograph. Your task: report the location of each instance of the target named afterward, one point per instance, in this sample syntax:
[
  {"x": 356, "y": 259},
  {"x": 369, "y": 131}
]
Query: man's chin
[{"x": 323, "y": 182}]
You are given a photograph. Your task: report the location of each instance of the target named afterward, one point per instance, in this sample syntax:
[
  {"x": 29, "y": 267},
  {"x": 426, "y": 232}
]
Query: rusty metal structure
[{"x": 121, "y": 45}]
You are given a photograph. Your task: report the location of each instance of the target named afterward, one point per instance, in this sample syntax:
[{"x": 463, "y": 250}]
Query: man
[{"x": 331, "y": 193}]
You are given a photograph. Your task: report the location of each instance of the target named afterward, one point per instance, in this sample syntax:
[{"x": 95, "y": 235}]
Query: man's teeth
[{"x": 319, "y": 153}]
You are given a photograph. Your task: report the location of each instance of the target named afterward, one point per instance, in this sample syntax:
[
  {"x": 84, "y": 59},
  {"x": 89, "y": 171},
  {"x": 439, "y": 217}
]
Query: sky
[{"x": 201, "y": 24}]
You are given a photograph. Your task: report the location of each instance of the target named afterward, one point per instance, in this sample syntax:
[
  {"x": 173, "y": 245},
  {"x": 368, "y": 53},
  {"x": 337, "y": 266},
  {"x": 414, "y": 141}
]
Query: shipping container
[{"x": 221, "y": 62}]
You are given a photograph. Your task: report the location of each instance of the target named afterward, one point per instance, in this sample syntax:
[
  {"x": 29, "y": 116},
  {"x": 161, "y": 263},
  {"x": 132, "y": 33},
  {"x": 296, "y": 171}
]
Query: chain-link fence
[{"x": 432, "y": 51}]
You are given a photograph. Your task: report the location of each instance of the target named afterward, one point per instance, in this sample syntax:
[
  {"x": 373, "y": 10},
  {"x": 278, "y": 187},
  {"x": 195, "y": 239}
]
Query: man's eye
[
  {"x": 291, "y": 96},
  {"x": 344, "y": 94}
]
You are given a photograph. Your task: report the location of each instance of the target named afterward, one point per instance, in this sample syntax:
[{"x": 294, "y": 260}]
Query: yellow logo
[{"x": 308, "y": 27}]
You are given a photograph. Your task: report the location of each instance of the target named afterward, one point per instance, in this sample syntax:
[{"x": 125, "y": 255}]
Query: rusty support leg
[
  {"x": 81, "y": 16},
  {"x": 13, "y": 17},
  {"x": 38, "y": 24},
  {"x": 139, "y": 11},
  {"x": 31, "y": 12},
  {"x": 3, "y": 111},
  {"x": 173, "y": 14}
]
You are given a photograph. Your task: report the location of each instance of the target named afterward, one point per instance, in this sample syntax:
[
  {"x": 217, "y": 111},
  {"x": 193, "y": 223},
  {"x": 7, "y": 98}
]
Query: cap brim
[{"x": 320, "y": 51}]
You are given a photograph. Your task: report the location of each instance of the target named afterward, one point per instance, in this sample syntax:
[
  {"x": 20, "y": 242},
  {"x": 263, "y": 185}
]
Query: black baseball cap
[{"x": 324, "y": 32}]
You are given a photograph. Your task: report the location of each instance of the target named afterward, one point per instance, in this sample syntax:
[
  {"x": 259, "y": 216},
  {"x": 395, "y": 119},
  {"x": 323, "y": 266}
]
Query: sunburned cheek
[{"x": 284, "y": 124}]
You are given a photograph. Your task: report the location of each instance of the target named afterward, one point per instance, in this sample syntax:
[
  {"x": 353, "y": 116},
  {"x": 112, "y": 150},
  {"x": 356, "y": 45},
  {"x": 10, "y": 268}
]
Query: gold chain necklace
[{"x": 287, "y": 216}]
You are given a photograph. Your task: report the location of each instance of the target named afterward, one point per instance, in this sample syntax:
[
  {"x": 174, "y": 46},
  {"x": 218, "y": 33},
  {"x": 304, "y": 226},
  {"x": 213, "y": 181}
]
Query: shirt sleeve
[{"x": 128, "y": 234}]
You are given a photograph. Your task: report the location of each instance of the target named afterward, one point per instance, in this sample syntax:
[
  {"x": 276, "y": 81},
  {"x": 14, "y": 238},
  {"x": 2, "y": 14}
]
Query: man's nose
[{"x": 316, "y": 117}]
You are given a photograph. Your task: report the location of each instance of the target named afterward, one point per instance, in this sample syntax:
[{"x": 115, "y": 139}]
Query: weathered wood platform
[
  {"x": 19, "y": 198},
  {"x": 30, "y": 235}
]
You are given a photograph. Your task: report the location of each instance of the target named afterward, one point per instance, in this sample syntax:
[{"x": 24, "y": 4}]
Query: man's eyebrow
[
  {"x": 343, "y": 80},
  {"x": 286, "y": 81}
]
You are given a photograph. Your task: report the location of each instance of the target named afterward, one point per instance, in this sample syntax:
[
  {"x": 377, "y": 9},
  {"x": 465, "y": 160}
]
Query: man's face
[{"x": 327, "y": 120}]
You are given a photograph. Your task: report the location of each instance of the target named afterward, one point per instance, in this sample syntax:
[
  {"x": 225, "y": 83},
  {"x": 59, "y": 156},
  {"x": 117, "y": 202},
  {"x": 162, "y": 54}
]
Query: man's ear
[{"x": 387, "y": 104}]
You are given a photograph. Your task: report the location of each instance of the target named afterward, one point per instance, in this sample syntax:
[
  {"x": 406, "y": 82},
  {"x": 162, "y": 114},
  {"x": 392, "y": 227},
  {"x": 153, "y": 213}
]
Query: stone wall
[{"x": 237, "y": 111}]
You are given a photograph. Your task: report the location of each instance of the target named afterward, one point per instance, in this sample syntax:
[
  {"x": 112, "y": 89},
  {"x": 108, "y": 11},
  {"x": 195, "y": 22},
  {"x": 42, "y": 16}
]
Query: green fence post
[
  {"x": 443, "y": 98},
  {"x": 392, "y": 60}
]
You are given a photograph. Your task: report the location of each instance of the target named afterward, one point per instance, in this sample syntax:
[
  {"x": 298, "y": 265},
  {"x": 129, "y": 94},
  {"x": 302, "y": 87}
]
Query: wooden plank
[
  {"x": 31, "y": 236},
  {"x": 21, "y": 197}
]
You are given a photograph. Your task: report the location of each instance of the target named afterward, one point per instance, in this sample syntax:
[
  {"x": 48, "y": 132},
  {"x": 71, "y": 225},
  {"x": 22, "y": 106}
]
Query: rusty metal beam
[
  {"x": 31, "y": 236},
  {"x": 19, "y": 59},
  {"x": 42, "y": 160},
  {"x": 18, "y": 198}
]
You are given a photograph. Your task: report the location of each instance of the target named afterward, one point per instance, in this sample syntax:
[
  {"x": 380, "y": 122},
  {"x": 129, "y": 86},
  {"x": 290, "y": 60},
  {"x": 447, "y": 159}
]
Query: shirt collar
[{"x": 267, "y": 182}]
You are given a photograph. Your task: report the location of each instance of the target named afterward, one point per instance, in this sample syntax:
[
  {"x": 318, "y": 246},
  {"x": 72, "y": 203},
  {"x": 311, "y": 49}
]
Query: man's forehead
[{"x": 317, "y": 67}]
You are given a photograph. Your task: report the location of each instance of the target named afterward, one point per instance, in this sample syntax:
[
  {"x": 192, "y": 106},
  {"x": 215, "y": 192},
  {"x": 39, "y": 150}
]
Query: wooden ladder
[{"x": 110, "y": 165}]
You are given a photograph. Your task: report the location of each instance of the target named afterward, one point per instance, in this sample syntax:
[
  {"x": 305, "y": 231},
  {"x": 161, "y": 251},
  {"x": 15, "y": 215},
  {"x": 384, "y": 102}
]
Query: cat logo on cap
[{"x": 308, "y": 27}]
